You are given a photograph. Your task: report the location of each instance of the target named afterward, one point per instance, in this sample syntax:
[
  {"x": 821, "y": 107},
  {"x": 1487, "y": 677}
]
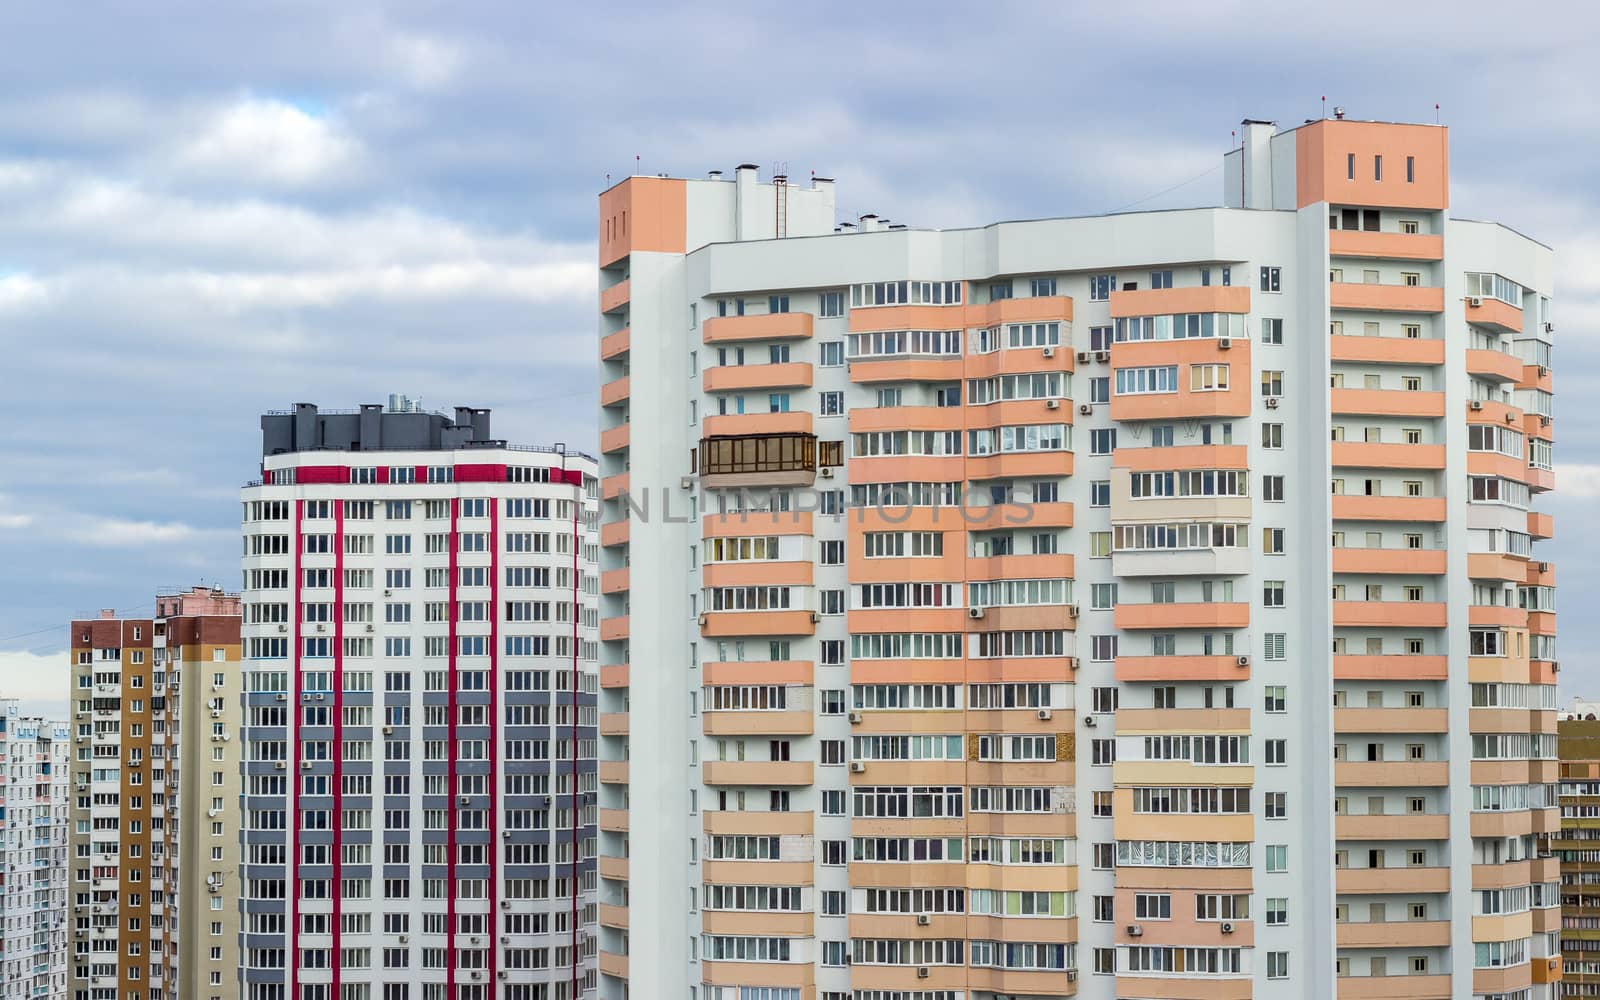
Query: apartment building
[
  {"x": 1133, "y": 606},
  {"x": 155, "y": 789},
  {"x": 33, "y": 855},
  {"x": 420, "y": 737},
  {"x": 1577, "y": 850}
]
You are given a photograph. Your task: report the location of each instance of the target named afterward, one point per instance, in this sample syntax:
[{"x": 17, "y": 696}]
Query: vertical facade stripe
[
  {"x": 292, "y": 816},
  {"x": 450, "y": 756},
  {"x": 337, "y": 750},
  {"x": 577, "y": 509},
  {"x": 493, "y": 853}
]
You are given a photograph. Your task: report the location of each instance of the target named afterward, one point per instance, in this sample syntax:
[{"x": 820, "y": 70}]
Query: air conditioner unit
[
  {"x": 283, "y": 628},
  {"x": 922, "y": 972},
  {"x": 1224, "y": 343},
  {"x": 1549, "y": 328},
  {"x": 213, "y": 889},
  {"x": 280, "y": 766},
  {"x": 283, "y": 697},
  {"x": 1083, "y": 357},
  {"x": 855, "y": 718},
  {"x": 1243, "y": 661},
  {"x": 1511, "y": 418},
  {"x": 1072, "y": 975},
  {"x": 858, "y": 767},
  {"x": 1102, "y": 355},
  {"x": 305, "y": 765},
  {"x": 505, "y": 904},
  {"x": 505, "y": 939},
  {"x": 388, "y": 730},
  {"x": 321, "y": 697},
  {"x": 321, "y": 627},
  {"x": 1088, "y": 720},
  {"x": 216, "y": 713},
  {"x": 1272, "y": 402},
  {"x": 463, "y": 800},
  {"x": 371, "y": 628},
  {"x": 216, "y": 687},
  {"x": 1544, "y": 421},
  {"x": 1072, "y": 663},
  {"x": 1072, "y": 611},
  {"x": 1555, "y": 668},
  {"x": 1476, "y": 404},
  {"x": 1049, "y": 352},
  {"x": 475, "y": 940},
  {"x": 1044, "y": 715},
  {"x": 1474, "y": 301},
  {"x": 505, "y": 834},
  {"x": 1544, "y": 567},
  {"x": 501, "y": 974},
  {"x": 825, "y": 472},
  {"x": 477, "y": 976},
  {"x": 923, "y": 920},
  {"x": 80, "y": 739},
  {"x": 815, "y": 617},
  {"x": 1052, "y": 404},
  {"x": 1543, "y": 371},
  {"x": 703, "y": 619},
  {"x": 1134, "y": 930},
  {"x": 387, "y": 592},
  {"x": 216, "y": 737},
  {"x": 1227, "y": 928},
  {"x": 1085, "y": 409},
  {"x": 974, "y": 612},
  {"x": 405, "y": 939}
]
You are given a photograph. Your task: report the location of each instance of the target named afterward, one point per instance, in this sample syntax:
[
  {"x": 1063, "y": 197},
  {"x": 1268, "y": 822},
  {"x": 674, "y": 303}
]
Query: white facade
[{"x": 33, "y": 855}]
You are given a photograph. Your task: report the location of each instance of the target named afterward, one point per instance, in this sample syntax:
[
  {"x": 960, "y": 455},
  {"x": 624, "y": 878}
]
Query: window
[
  {"x": 1274, "y": 643},
  {"x": 1041, "y": 287},
  {"x": 1277, "y": 857},
  {"x": 1272, "y": 541},
  {"x": 1152, "y": 905},
  {"x": 1272, "y": 488},
  {"x": 1350, "y": 166},
  {"x": 1277, "y": 752},
  {"x": 1272, "y": 436},
  {"x": 1277, "y": 805},
  {"x": 830, "y": 404},
  {"x": 1101, "y": 286},
  {"x": 1100, "y": 493},
  {"x": 1271, "y": 331},
  {"x": 1271, "y": 383},
  {"x": 1278, "y": 961},
  {"x": 1160, "y": 279},
  {"x": 1276, "y": 698},
  {"x": 1271, "y": 279},
  {"x": 832, "y": 353},
  {"x": 1104, "y": 909},
  {"x": 1208, "y": 378},
  {"x": 1102, "y": 441},
  {"x": 1277, "y": 911}
]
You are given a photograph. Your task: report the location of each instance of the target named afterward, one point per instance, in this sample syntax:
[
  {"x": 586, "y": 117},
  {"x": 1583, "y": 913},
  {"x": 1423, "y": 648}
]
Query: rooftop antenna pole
[
  {"x": 1436, "y": 112},
  {"x": 636, "y": 164},
  {"x": 1324, "y": 106}
]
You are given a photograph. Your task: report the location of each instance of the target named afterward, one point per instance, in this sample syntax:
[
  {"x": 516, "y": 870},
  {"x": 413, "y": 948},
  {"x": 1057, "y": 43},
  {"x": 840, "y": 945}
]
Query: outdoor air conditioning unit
[
  {"x": 388, "y": 730},
  {"x": 816, "y": 617},
  {"x": 505, "y": 834},
  {"x": 1083, "y": 357},
  {"x": 686, "y": 482},
  {"x": 501, "y": 974},
  {"x": 1072, "y": 611},
  {"x": 1044, "y": 715},
  {"x": 1549, "y": 328},
  {"x": 1224, "y": 343},
  {"x": 475, "y": 940},
  {"x": 321, "y": 627},
  {"x": 477, "y": 976},
  {"x": 1272, "y": 402},
  {"x": 305, "y": 765},
  {"x": 463, "y": 800},
  {"x": 1052, "y": 404},
  {"x": 1072, "y": 663},
  {"x": 321, "y": 697},
  {"x": 1544, "y": 421},
  {"x": 922, "y": 972},
  {"x": 280, "y": 766},
  {"x": 405, "y": 939},
  {"x": 1476, "y": 404},
  {"x": 1243, "y": 661},
  {"x": 216, "y": 713},
  {"x": 974, "y": 612},
  {"x": 283, "y": 697},
  {"x": 1072, "y": 975},
  {"x": 1049, "y": 352},
  {"x": 703, "y": 619},
  {"x": 1544, "y": 567},
  {"x": 1085, "y": 409},
  {"x": 1511, "y": 418},
  {"x": 923, "y": 920},
  {"x": 1134, "y": 930},
  {"x": 1543, "y": 371},
  {"x": 505, "y": 939},
  {"x": 825, "y": 472},
  {"x": 858, "y": 767},
  {"x": 505, "y": 904},
  {"x": 371, "y": 628},
  {"x": 1088, "y": 720},
  {"x": 855, "y": 718},
  {"x": 283, "y": 628},
  {"x": 1102, "y": 355},
  {"x": 1474, "y": 301}
]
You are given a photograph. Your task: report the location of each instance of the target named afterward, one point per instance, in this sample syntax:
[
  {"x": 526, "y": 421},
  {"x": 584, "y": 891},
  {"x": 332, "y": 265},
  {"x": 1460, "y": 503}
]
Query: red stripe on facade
[
  {"x": 292, "y": 817},
  {"x": 577, "y": 539},
  {"x": 480, "y": 473},
  {"x": 494, "y": 738},
  {"x": 450, "y": 756},
  {"x": 337, "y": 748},
  {"x": 321, "y": 474}
]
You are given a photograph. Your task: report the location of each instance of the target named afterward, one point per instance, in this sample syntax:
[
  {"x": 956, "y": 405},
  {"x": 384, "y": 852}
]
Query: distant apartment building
[
  {"x": 420, "y": 734},
  {"x": 1577, "y": 847},
  {"x": 154, "y": 867},
  {"x": 1139, "y": 606},
  {"x": 33, "y": 855}
]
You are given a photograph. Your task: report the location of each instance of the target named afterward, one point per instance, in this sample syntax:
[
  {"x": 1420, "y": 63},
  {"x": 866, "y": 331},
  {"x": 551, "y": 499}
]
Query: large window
[{"x": 769, "y": 453}]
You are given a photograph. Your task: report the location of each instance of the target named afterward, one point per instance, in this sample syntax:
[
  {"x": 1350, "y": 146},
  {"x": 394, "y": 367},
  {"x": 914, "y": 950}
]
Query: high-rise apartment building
[
  {"x": 33, "y": 855},
  {"x": 419, "y": 789},
  {"x": 1577, "y": 848},
  {"x": 154, "y": 867},
  {"x": 1135, "y": 606}
]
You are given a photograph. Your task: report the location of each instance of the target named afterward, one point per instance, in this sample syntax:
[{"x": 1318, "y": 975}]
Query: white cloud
[
  {"x": 271, "y": 141},
  {"x": 40, "y": 681},
  {"x": 1575, "y": 481},
  {"x": 20, "y": 291}
]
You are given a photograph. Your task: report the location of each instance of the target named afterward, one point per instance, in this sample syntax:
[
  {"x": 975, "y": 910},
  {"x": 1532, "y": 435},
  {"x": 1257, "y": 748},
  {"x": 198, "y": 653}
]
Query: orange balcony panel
[
  {"x": 613, "y": 772},
  {"x": 614, "y": 965},
  {"x": 1364, "y": 455},
  {"x": 1506, "y": 617},
  {"x": 1019, "y": 567},
  {"x": 612, "y": 915},
  {"x": 751, "y": 573},
  {"x": 1356, "y": 507},
  {"x": 891, "y": 979},
  {"x": 614, "y": 820},
  {"x": 1395, "y": 987},
  {"x": 1387, "y": 350},
  {"x": 1168, "y": 301},
  {"x": 615, "y": 869},
  {"x": 1181, "y": 668},
  {"x": 1020, "y": 361},
  {"x": 1367, "y": 881},
  {"x": 614, "y": 486},
  {"x": 771, "y": 326},
  {"x": 786, "y": 773},
  {"x": 908, "y": 468},
  {"x": 1394, "y": 934},
  {"x": 739, "y": 624},
  {"x": 614, "y": 581},
  {"x": 614, "y": 629},
  {"x": 758, "y": 723},
  {"x": 729, "y": 822},
  {"x": 1391, "y": 774},
  {"x": 1488, "y": 411},
  {"x": 912, "y": 620},
  {"x": 1534, "y": 425},
  {"x": 614, "y": 533},
  {"x": 1180, "y": 457},
  {"x": 742, "y": 424},
  {"x": 1352, "y": 667},
  {"x": 1040, "y": 309},
  {"x": 1385, "y": 246},
  {"x": 1488, "y": 463},
  {"x": 614, "y": 298},
  {"x": 1501, "y": 824},
  {"x": 1020, "y": 464},
  {"x": 1170, "y": 987},
  {"x": 733, "y": 378},
  {"x": 1546, "y": 970},
  {"x": 1387, "y": 402},
  {"x": 1536, "y": 377},
  {"x": 1541, "y": 525},
  {"x": 613, "y": 723},
  {"x": 907, "y": 370},
  {"x": 1494, "y": 364},
  {"x": 1014, "y": 982},
  {"x": 874, "y": 318},
  {"x": 1386, "y": 298},
  {"x": 1539, "y": 574},
  {"x": 1235, "y": 401},
  {"x": 615, "y": 392},
  {"x": 1493, "y": 566},
  {"x": 1501, "y": 982},
  {"x": 754, "y": 522},
  {"x": 1539, "y": 480},
  {"x": 1542, "y": 622},
  {"x": 738, "y": 672},
  {"x": 614, "y": 345},
  {"x": 1405, "y": 826},
  {"x": 1193, "y": 614},
  {"x": 1494, "y": 313},
  {"x": 614, "y": 676},
  {"x": 614, "y": 439},
  {"x": 1388, "y": 614},
  {"x": 907, "y": 418},
  {"x": 1389, "y": 720}
]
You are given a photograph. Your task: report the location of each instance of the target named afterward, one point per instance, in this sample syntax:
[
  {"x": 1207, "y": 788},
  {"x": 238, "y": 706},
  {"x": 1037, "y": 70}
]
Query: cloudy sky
[{"x": 225, "y": 208}]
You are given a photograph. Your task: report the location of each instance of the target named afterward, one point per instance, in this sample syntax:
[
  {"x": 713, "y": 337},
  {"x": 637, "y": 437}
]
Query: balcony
[
  {"x": 1394, "y": 934},
  {"x": 756, "y": 424},
  {"x": 737, "y": 378},
  {"x": 614, "y": 439},
  {"x": 1385, "y": 246},
  {"x": 1496, "y": 365},
  {"x": 1370, "y": 881},
  {"x": 1387, "y": 402},
  {"x": 614, "y": 629},
  {"x": 615, "y": 345},
  {"x": 1388, "y": 614},
  {"x": 1233, "y": 561},
  {"x": 614, "y": 298},
  {"x": 614, "y": 533},
  {"x": 758, "y": 460},
  {"x": 758, "y": 723},
  {"x": 1397, "y": 987},
  {"x": 1192, "y": 614},
  {"x": 1234, "y": 401},
  {"x": 1169, "y": 301},
  {"x": 765, "y": 773},
  {"x": 906, "y": 369},
  {"x": 1385, "y": 298},
  {"x": 751, "y": 624},
  {"x": 615, "y": 392},
  {"x": 1400, "y": 826},
  {"x": 1391, "y": 774},
  {"x": 1366, "y": 455},
  {"x": 1181, "y": 668},
  {"x": 1386, "y": 350},
  {"x": 1347, "y": 507},
  {"x": 1495, "y": 314},
  {"x": 1389, "y": 720},
  {"x": 1391, "y": 666},
  {"x": 771, "y": 326},
  {"x": 1403, "y": 562}
]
